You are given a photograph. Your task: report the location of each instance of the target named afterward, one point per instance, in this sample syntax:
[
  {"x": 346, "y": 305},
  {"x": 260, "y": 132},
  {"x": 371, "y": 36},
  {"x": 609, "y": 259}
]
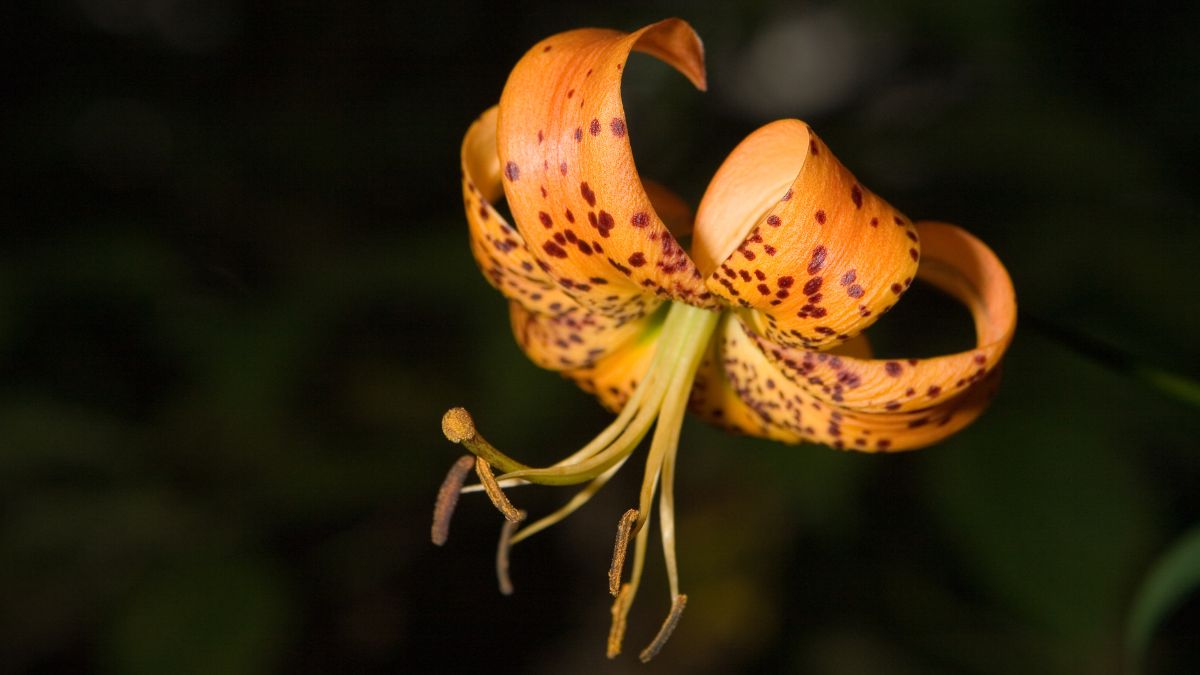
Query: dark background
[{"x": 236, "y": 297}]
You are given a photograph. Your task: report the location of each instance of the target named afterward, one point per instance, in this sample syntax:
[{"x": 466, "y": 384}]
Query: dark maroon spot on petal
[
  {"x": 571, "y": 236},
  {"x": 912, "y": 253},
  {"x": 545, "y": 218},
  {"x": 786, "y": 282},
  {"x": 787, "y": 195},
  {"x": 898, "y": 220},
  {"x": 578, "y": 134},
  {"x": 639, "y": 219},
  {"x": 897, "y": 289},
  {"x": 758, "y": 274},
  {"x": 747, "y": 253},
  {"x": 820, "y": 216},
  {"x": 570, "y": 216},
  {"x": 618, "y": 127},
  {"x": 583, "y": 247},
  {"x": 813, "y": 285},
  {"x": 619, "y": 267},
  {"x": 934, "y": 391},
  {"x": 637, "y": 259},
  {"x": 558, "y": 236},
  {"x": 855, "y": 291},
  {"x": 594, "y": 127},
  {"x": 849, "y": 277},
  {"x": 562, "y": 168},
  {"x": 911, "y": 235},
  {"x": 512, "y": 171},
  {"x": 547, "y": 48},
  {"x": 570, "y": 93},
  {"x": 773, "y": 221},
  {"x": 893, "y": 368},
  {"x": 554, "y": 249},
  {"x": 856, "y": 196},
  {"x": 769, "y": 249},
  {"x": 588, "y": 195},
  {"x": 824, "y": 330},
  {"x": 874, "y": 222},
  {"x": 812, "y": 147},
  {"x": 819, "y": 312},
  {"x": 764, "y": 289},
  {"x": 818, "y": 260},
  {"x": 605, "y": 221}
]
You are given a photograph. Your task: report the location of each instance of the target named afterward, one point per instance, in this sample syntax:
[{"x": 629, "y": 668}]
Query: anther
[
  {"x": 502, "y": 549},
  {"x": 624, "y": 530},
  {"x": 664, "y": 633},
  {"x": 488, "y": 479},
  {"x": 616, "y": 633},
  {"x": 447, "y": 498},
  {"x": 457, "y": 425}
]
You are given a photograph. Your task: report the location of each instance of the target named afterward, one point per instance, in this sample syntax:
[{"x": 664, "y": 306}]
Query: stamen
[
  {"x": 664, "y": 633},
  {"x": 567, "y": 509},
  {"x": 624, "y": 529},
  {"x": 488, "y": 480},
  {"x": 447, "y": 498},
  {"x": 502, "y": 550},
  {"x": 616, "y": 633}
]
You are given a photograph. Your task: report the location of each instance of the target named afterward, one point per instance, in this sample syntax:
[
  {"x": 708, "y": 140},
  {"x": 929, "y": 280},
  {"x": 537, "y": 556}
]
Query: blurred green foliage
[{"x": 236, "y": 297}]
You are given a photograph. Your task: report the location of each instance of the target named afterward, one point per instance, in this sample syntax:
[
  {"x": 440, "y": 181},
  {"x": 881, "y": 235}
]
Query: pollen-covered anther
[
  {"x": 488, "y": 480},
  {"x": 620, "y": 547},
  {"x": 664, "y": 633},
  {"x": 616, "y": 633},
  {"x": 447, "y": 498},
  {"x": 502, "y": 550}
]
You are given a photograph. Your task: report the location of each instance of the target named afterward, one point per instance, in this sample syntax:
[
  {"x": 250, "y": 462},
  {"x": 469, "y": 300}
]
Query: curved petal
[
  {"x": 613, "y": 377},
  {"x": 574, "y": 339},
  {"x": 788, "y": 231},
  {"x": 569, "y": 174},
  {"x": 499, "y": 250},
  {"x": 963, "y": 267},
  {"x": 766, "y": 403}
]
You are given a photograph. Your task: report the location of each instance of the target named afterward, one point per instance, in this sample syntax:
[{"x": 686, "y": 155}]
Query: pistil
[{"x": 662, "y": 396}]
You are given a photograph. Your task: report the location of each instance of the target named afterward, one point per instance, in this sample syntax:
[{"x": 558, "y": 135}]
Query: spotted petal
[
  {"x": 570, "y": 177},
  {"x": 750, "y": 394},
  {"x": 787, "y": 231},
  {"x": 499, "y": 250},
  {"x": 966, "y": 269}
]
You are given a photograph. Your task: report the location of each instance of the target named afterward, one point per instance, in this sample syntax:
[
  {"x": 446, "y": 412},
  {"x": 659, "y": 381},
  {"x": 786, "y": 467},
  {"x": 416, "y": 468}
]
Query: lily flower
[{"x": 757, "y": 329}]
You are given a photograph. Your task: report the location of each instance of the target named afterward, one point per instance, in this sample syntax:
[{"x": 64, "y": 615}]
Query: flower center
[{"x": 662, "y": 395}]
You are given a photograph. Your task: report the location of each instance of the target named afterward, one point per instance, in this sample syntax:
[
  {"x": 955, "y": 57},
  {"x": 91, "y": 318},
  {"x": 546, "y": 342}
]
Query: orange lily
[{"x": 757, "y": 330}]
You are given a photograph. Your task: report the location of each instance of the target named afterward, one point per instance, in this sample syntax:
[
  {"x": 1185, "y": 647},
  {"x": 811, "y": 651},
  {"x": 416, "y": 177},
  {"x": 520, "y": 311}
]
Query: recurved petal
[
  {"x": 784, "y": 229},
  {"x": 612, "y": 378},
  {"x": 771, "y": 405},
  {"x": 569, "y": 174},
  {"x": 963, "y": 267},
  {"x": 499, "y": 249},
  {"x": 574, "y": 339}
]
